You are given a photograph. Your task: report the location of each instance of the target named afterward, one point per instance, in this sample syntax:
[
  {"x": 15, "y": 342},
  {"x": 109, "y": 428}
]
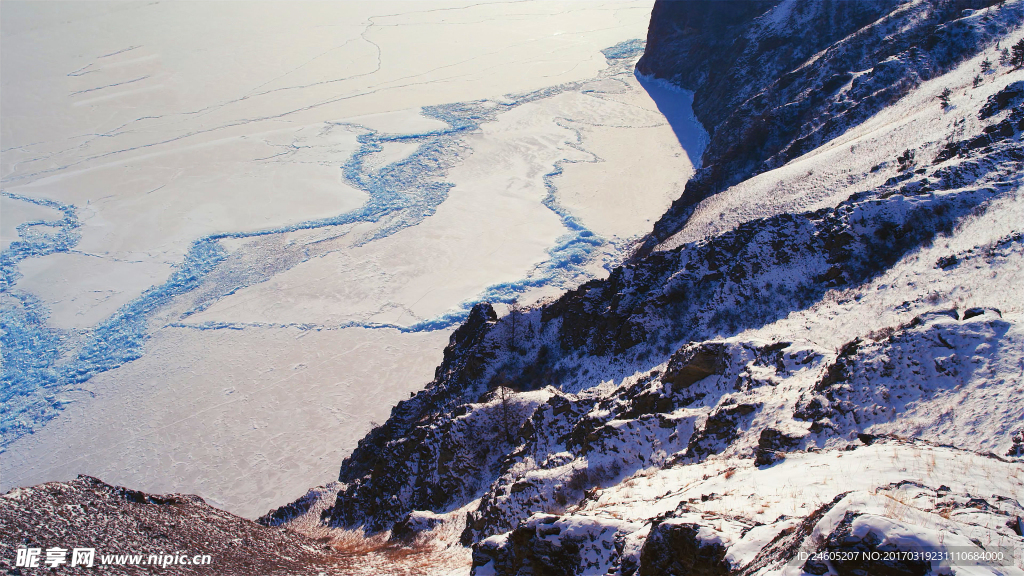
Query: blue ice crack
[{"x": 40, "y": 361}]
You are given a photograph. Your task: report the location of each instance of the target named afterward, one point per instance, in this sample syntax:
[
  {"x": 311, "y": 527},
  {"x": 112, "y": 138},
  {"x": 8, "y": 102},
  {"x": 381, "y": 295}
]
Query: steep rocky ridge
[
  {"x": 442, "y": 448},
  {"x": 774, "y": 80},
  {"x": 540, "y": 428},
  {"x": 118, "y": 521},
  {"x": 185, "y": 535}
]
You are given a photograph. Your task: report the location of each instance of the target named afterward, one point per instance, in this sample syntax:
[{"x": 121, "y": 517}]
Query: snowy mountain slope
[
  {"x": 782, "y": 264},
  {"x": 796, "y": 75},
  {"x": 863, "y": 157},
  {"x": 874, "y": 306}
]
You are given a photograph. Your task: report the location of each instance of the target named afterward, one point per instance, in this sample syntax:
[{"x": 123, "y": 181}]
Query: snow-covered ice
[
  {"x": 251, "y": 244},
  {"x": 246, "y": 418}
]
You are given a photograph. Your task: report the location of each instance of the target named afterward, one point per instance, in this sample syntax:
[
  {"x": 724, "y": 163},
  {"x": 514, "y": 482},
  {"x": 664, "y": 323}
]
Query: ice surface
[
  {"x": 83, "y": 289},
  {"x": 225, "y": 203},
  {"x": 244, "y": 418}
]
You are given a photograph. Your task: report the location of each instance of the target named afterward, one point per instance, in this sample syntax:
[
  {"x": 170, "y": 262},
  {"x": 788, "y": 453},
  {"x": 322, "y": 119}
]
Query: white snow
[{"x": 778, "y": 495}]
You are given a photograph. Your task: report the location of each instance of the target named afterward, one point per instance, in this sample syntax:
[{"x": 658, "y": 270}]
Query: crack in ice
[{"x": 42, "y": 362}]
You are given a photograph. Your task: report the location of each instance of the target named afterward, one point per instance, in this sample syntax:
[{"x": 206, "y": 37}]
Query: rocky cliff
[{"x": 548, "y": 440}]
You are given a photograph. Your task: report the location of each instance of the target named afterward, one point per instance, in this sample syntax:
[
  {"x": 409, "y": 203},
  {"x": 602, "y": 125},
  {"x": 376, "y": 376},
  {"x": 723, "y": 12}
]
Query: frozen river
[{"x": 235, "y": 234}]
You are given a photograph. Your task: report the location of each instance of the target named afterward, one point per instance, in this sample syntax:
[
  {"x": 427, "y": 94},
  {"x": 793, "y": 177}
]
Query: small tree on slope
[
  {"x": 515, "y": 310},
  {"x": 944, "y": 97},
  {"x": 1017, "y": 55}
]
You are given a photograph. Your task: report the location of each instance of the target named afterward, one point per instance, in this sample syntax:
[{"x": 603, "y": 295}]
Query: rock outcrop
[{"x": 118, "y": 522}]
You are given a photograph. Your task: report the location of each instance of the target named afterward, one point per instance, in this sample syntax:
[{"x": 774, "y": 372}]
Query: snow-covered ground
[
  {"x": 861, "y": 160},
  {"x": 246, "y": 230}
]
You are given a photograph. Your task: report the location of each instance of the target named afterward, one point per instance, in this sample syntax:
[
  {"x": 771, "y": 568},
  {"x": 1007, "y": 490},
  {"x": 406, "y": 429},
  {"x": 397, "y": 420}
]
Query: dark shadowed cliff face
[
  {"x": 774, "y": 80},
  {"x": 702, "y": 34}
]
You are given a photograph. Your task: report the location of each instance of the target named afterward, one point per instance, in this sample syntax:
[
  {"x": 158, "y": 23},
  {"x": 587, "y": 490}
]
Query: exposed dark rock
[
  {"x": 458, "y": 358},
  {"x": 1017, "y": 448},
  {"x": 772, "y": 445},
  {"x": 414, "y": 523},
  {"x": 816, "y": 567},
  {"x": 547, "y": 545},
  {"x": 867, "y": 439},
  {"x": 435, "y": 464},
  {"x": 1016, "y": 524},
  {"x": 673, "y": 549},
  {"x": 839, "y": 371},
  {"x": 979, "y": 311},
  {"x": 695, "y": 362},
  {"x": 1005, "y": 98},
  {"x": 601, "y": 329},
  {"x": 721, "y": 428},
  {"x": 815, "y": 409}
]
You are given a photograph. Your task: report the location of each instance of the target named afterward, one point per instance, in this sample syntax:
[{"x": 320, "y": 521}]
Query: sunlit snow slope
[{"x": 230, "y": 228}]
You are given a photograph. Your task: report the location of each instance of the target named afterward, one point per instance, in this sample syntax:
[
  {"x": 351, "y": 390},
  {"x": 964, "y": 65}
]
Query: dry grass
[
  {"x": 895, "y": 508},
  {"x": 355, "y": 543},
  {"x": 357, "y": 554}
]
